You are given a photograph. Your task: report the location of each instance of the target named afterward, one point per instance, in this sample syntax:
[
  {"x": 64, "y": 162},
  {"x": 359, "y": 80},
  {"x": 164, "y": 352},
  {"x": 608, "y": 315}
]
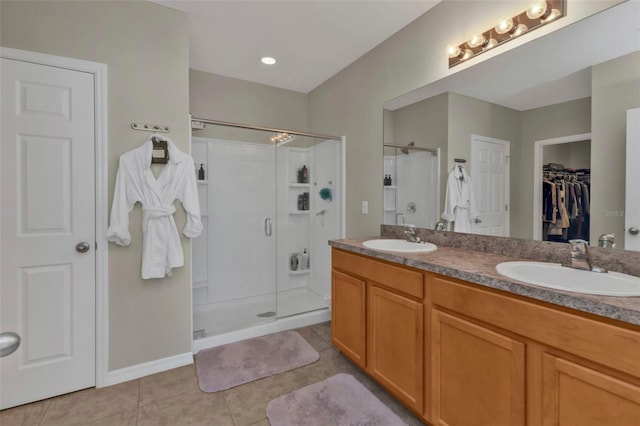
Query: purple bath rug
[
  {"x": 340, "y": 400},
  {"x": 231, "y": 365}
]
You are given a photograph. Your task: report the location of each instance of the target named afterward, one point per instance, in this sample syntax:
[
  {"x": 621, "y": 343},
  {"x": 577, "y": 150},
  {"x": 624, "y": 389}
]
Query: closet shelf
[
  {"x": 389, "y": 187},
  {"x": 299, "y": 212},
  {"x": 299, "y": 185},
  {"x": 304, "y": 272}
]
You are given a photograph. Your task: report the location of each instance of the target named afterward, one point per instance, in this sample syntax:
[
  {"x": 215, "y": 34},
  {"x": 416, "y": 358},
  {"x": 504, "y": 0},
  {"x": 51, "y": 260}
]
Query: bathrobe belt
[{"x": 155, "y": 212}]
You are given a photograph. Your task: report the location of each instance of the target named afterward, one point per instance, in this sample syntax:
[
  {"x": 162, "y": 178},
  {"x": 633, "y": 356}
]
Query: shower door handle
[{"x": 267, "y": 227}]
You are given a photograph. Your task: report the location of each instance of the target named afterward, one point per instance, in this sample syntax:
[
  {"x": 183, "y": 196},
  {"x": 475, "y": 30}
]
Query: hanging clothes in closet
[
  {"x": 459, "y": 204},
  {"x": 135, "y": 182},
  {"x": 565, "y": 203}
]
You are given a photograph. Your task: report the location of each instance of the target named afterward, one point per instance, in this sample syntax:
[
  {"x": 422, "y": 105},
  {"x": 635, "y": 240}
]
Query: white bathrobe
[
  {"x": 459, "y": 205},
  {"x": 161, "y": 247}
]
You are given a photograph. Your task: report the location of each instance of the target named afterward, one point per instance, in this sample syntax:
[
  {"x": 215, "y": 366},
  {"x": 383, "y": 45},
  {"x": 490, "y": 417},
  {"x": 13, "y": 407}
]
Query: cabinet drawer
[
  {"x": 603, "y": 343},
  {"x": 400, "y": 278}
]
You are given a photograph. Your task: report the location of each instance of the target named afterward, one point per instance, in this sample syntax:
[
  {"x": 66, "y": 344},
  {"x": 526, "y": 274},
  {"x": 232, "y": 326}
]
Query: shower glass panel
[
  {"x": 269, "y": 208},
  {"x": 411, "y": 186},
  {"x": 234, "y": 274}
]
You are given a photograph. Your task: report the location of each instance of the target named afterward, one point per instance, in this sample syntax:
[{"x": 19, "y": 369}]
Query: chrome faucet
[
  {"x": 412, "y": 235},
  {"x": 607, "y": 240},
  {"x": 579, "y": 257}
]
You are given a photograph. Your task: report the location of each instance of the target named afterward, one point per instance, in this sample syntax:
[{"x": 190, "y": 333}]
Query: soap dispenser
[{"x": 201, "y": 172}]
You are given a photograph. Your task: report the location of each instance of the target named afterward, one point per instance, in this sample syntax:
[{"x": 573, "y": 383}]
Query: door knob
[
  {"x": 83, "y": 247},
  {"x": 9, "y": 342},
  {"x": 633, "y": 230}
]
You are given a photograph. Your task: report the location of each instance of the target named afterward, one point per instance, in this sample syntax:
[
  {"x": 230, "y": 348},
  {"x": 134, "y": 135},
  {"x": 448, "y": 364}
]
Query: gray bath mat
[
  {"x": 231, "y": 365},
  {"x": 340, "y": 400}
]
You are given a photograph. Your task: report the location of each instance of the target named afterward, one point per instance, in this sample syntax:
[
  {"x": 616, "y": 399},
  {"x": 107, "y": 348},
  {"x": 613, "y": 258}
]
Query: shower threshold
[{"x": 238, "y": 314}]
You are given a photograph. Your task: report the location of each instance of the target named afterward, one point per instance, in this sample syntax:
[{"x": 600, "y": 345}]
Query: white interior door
[
  {"x": 490, "y": 180},
  {"x": 47, "y": 215},
  {"x": 632, "y": 193}
]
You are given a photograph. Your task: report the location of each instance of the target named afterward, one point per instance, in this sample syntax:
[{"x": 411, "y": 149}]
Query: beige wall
[
  {"x": 350, "y": 103},
  {"x": 145, "y": 47},
  {"x": 229, "y": 99},
  {"x": 615, "y": 88}
]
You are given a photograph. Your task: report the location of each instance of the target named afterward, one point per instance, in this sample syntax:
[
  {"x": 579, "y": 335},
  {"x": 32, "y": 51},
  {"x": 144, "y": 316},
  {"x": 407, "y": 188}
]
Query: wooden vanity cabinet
[
  {"x": 460, "y": 354},
  {"x": 379, "y": 323},
  {"x": 536, "y": 364},
  {"x": 348, "y": 316},
  {"x": 477, "y": 374}
]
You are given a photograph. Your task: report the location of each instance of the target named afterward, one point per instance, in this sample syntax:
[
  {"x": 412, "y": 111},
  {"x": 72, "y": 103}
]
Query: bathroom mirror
[{"x": 572, "y": 85}]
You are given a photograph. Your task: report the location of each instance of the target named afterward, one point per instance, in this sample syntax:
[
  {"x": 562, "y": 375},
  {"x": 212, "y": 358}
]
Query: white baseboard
[{"x": 148, "y": 368}]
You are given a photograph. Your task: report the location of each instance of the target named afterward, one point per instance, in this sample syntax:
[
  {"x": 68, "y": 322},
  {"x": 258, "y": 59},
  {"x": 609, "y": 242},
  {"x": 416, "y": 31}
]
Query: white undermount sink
[
  {"x": 399, "y": 246},
  {"x": 556, "y": 276}
]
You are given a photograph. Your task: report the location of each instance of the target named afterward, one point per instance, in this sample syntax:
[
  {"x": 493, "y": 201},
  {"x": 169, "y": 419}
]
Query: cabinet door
[
  {"x": 395, "y": 344},
  {"x": 478, "y": 375},
  {"x": 574, "y": 394},
  {"x": 348, "y": 316}
]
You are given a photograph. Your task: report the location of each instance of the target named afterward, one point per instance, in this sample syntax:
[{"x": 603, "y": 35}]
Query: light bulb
[
  {"x": 552, "y": 15},
  {"x": 467, "y": 54},
  {"x": 537, "y": 9},
  {"x": 476, "y": 40},
  {"x": 504, "y": 26},
  {"x": 453, "y": 51},
  {"x": 267, "y": 60},
  {"x": 490, "y": 44},
  {"x": 519, "y": 30}
]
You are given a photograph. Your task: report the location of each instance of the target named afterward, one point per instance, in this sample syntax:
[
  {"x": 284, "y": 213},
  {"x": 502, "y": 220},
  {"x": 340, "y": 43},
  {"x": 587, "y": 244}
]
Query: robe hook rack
[
  {"x": 147, "y": 127},
  {"x": 459, "y": 160}
]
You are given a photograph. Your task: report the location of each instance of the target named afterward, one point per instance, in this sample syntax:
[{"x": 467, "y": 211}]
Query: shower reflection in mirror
[{"x": 411, "y": 185}]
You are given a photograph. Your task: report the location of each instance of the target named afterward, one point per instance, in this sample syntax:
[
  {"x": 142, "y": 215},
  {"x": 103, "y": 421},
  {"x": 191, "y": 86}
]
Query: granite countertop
[{"x": 480, "y": 268}]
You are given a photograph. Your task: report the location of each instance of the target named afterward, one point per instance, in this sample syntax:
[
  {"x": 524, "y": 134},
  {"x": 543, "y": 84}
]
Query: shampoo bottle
[{"x": 304, "y": 260}]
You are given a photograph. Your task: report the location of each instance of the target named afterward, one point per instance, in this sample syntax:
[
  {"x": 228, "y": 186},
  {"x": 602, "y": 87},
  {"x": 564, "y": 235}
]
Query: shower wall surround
[{"x": 261, "y": 205}]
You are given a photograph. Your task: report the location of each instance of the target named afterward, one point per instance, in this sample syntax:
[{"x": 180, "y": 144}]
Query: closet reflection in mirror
[
  {"x": 522, "y": 107},
  {"x": 566, "y": 183}
]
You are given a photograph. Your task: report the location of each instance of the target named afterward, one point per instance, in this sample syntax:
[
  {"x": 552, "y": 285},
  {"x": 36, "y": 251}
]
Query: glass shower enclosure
[
  {"x": 411, "y": 186},
  {"x": 270, "y": 202}
]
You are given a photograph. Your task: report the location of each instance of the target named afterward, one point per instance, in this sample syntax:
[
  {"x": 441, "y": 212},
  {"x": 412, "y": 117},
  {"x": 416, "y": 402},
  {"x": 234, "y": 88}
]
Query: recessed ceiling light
[{"x": 268, "y": 60}]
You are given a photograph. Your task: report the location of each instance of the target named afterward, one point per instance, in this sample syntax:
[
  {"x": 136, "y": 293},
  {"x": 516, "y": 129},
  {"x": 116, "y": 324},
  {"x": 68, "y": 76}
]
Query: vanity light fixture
[{"x": 539, "y": 13}]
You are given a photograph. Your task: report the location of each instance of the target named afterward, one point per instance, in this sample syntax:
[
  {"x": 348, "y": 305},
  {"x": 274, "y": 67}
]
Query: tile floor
[{"x": 173, "y": 398}]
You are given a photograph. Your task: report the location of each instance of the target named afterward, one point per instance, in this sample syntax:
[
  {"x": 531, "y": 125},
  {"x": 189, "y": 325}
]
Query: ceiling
[{"x": 312, "y": 40}]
